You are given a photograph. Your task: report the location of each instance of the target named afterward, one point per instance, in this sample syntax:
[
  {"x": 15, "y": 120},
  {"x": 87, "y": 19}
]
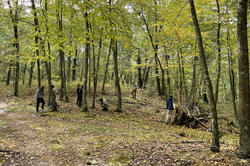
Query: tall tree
[
  {"x": 37, "y": 31},
  {"x": 14, "y": 18},
  {"x": 215, "y": 130},
  {"x": 86, "y": 61},
  {"x": 244, "y": 87},
  {"x": 218, "y": 52}
]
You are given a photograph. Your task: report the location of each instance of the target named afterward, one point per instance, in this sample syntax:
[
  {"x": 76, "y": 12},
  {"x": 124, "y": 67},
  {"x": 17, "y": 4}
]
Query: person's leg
[
  {"x": 167, "y": 116},
  {"x": 43, "y": 103},
  {"x": 80, "y": 103},
  {"x": 37, "y": 104},
  {"x": 171, "y": 116},
  {"x": 135, "y": 94}
]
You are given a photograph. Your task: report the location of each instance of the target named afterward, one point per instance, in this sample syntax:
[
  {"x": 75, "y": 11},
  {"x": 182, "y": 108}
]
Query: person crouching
[{"x": 104, "y": 104}]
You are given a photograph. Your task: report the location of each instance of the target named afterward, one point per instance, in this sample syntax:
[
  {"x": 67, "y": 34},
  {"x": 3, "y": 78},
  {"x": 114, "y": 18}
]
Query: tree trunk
[
  {"x": 14, "y": 17},
  {"x": 158, "y": 82},
  {"x": 215, "y": 130},
  {"x": 167, "y": 57},
  {"x": 36, "y": 41},
  {"x": 32, "y": 65},
  {"x": 89, "y": 82},
  {"x": 24, "y": 72},
  {"x": 63, "y": 91},
  {"x": 139, "y": 70},
  {"x": 244, "y": 89},
  {"x": 117, "y": 82},
  {"x": 87, "y": 52},
  {"x": 179, "y": 71},
  {"x": 94, "y": 73},
  {"x": 219, "y": 53},
  {"x": 97, "y": 70},
  {"x": 74, "y": 66},
  {"x": 69, "y": 69},
  {"x": 193, "y": 88},
  {"x": 106, "y": 68},
  {"x": 8, "y": 75}
]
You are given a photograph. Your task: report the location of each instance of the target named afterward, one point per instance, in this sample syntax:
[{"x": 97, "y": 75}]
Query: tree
[
  {"x": 244, "y": 87},
  {"x": 14, "y": 18},
  {"x": 215, "y": 131}
]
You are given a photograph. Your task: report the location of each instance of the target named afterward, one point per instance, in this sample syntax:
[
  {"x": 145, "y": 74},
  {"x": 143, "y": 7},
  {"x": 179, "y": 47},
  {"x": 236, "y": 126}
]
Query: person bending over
[{"x": 104, "y": 104}]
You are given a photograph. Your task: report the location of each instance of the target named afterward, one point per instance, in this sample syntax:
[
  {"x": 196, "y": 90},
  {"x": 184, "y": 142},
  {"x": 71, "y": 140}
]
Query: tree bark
[
  {"x": 9, "y": 74},
  {"x": 106, "y": 68},
  {"x": 214, "y": 121},
  {"x": 36, "y": 41},
  {"x": 244, "y": 89},
  {"x": 63, "y": 91},
  {"x": 14, "y": 18},
  {"x": 94, "y": 73},
  {"x": 139, "y": 70},
  {"x": 74, "y": 65},
  {"x": 87, "y": 52},
  {"x": 97, "y": 70},
  {"x": 117, "y": 82},
  {"x": 193, "y": 88},
  {"x": 24, "y": 72},
  {"x": 32, "y": 65},
  {"x": 219, "y": 53}
]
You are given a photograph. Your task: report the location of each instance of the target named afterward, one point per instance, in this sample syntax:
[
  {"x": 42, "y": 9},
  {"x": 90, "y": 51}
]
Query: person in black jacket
[
  {"x": 79, "y": 95},
  {"x": 170, "y": 109}
]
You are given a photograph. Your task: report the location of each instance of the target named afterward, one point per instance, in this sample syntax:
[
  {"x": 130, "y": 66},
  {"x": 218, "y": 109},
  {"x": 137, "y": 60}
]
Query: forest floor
[{"x": 138, "y": 136}]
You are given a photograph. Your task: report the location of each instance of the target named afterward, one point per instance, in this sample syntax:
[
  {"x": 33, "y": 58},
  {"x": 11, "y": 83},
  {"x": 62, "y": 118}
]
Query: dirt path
[{"x": 70, "y": 137}]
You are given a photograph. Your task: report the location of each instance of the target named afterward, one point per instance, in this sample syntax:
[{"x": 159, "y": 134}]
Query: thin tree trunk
[
  {"x": 97, "y": 70},
  {"x": 38, "y": 69},
  {"x": 193, "y": 88},
  {"x": 244, "y": 87},
  {"x": 69, "y": 69},
  {"x": 219, "y": 53},
  {"x": 232, "y": 79},
  {"x": 117, "y": 82},
  {"x": 36, "y": 41},
  {"x": 106, "y": 68},
  {"x": 215, "y": 130},
  {"x": 74, "y": 66},
  {"x": 139, "y": 70},
  {"x": 14, "y": 17},
  {"x": 24, "y": 72},
  {"x": 63, "y": 91},
  {"x": 168, "y": 75},
  {"x": 94, "y": 73},
  {"x": 32, "y": 65},
  {"x": 179, "y": 73},
  {"x": 87, "y": 52},
  {"x": 158, "y": 82},
  {"x": 9, "y": 74}
]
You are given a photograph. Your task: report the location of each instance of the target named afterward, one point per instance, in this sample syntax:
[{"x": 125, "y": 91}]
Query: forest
[{"x": 124, "y": 82}]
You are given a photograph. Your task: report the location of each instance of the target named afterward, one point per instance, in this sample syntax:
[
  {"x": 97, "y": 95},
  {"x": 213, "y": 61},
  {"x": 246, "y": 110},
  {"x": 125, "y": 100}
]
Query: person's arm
[{"x": 35, "y": 97}]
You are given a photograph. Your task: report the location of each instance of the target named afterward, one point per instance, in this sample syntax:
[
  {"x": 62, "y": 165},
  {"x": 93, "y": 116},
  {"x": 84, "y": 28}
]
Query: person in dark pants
[
  {"x": 39, "y": 97},
  {"x": 79, "y": 95}
]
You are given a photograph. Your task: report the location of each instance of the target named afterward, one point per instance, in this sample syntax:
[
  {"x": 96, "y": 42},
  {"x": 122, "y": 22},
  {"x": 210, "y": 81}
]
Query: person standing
[
  {"x": 170, "y": 108},
  {"x": 134, "y": 90},
  {"x": 39, "y": 97},
  {"x": 79, "y": 95}
]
